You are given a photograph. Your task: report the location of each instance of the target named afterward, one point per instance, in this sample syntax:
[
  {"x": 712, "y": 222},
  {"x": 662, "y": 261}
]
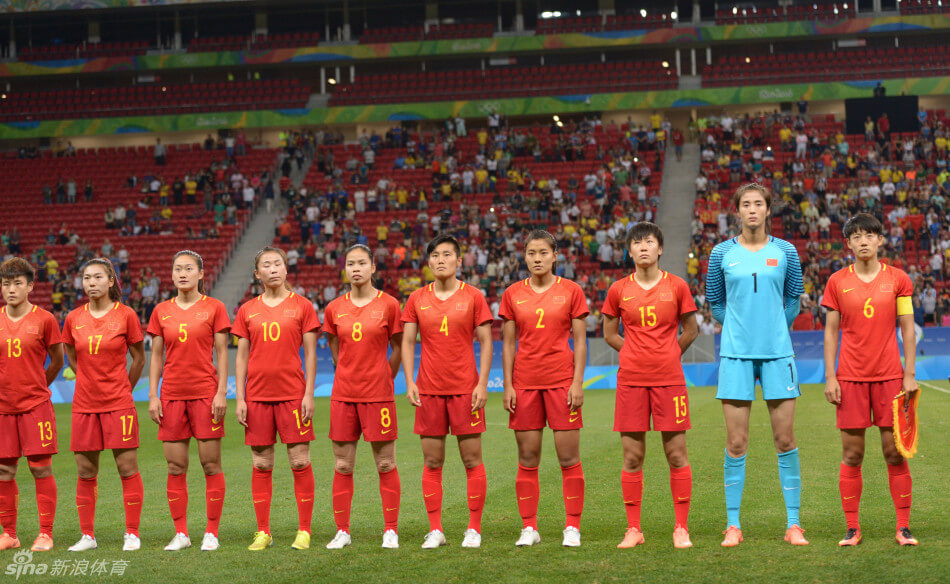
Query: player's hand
[
  {"x": 509, "y": 399},
  {"x": 155, "y": 409},
  {"x": 412, "y": 394},
  {"x": 909, "y": 386},
  {"x": 479, "y": 397},
  {"x": 219, "y": 406},
  {"x": 575, "y": 396},
  {"x": 241, "y": 412},
  {"x": 306, "y": 409},
  {"x": 833, "y": 391}
]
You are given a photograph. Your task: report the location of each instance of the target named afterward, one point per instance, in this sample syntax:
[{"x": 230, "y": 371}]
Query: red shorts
[
  {"x": 863, "y": 401},
  {"x": 376, "y": 421},
  {"x": 189, "y": 418},
  {"x": 105, "y": 431},
  {"x": 267, "y": 419},
  {"x": 534, "y": 407},
  {"x": 439, "y": 414},
  {"x": 669, "y": 407},
  {"x": 31, "y": 433}
]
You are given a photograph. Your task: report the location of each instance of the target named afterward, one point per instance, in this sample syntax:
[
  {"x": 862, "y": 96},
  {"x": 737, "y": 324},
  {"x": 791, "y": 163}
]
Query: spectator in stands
[
  {"x": 159, "y": 152},
  {"x": 88, "y": 190}
]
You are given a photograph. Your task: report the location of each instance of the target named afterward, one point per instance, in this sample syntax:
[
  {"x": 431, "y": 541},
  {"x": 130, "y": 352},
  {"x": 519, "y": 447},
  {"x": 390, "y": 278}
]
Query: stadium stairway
[
  {"x": 237, "y": 275},
  {"x": 675, "y": 212}
]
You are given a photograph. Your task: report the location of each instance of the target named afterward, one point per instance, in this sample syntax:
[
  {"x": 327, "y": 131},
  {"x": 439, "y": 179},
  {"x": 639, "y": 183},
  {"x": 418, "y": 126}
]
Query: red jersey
[
  {"x": 24, "y": 345},
  {"x": 868, "y": 350},
  {"x": 446, "y": 330},
  {"x": 362, "y": 367},
  {"x": 102, "y": 380},
  {"x": 274, "y": 370},
  {"x": 189, "y": 371},
  {"x": 544, "y": 359},
  {"x": 650, "y": 356}
]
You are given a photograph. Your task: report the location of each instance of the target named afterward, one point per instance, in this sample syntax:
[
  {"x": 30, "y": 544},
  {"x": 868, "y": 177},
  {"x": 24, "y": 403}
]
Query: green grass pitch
[{"x": 763, "y": 556}]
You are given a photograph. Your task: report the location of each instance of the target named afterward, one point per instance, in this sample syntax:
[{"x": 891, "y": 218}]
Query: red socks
[
  {"x": 681, "y": 486},
  {"x": 343, "y": 500},
  {"x": 303, "y": 490},
  {"x": 390, "y": 492},
  {"x": 572, "y": 481},
  {"x": 477, "y": 489},
  {"x": 631, "y": 483},
  {"x": 46, "y": 503},
  {"x": 262, "y": 488},
  {"x": 850, "y": 484},
  {"x": 177, "y": 490},
  {"x": 432, "y": 493},
  {"x": 87, "y": 491},
  {"x": 214, "y": 501},
  {"x": 898, "y": 476},
  {"x": 527, "y": 491},
  {"x": 132, "y": 494},
  {"x": 9, "y": 502}
]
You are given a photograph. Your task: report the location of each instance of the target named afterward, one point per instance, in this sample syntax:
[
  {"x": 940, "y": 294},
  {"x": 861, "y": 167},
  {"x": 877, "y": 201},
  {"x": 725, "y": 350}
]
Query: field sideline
[{"x": 763, "y": 556}]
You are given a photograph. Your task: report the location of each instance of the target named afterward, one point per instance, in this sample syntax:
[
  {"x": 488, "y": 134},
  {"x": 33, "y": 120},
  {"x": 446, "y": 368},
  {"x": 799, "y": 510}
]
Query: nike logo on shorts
[{"x": 734, "y": 264}]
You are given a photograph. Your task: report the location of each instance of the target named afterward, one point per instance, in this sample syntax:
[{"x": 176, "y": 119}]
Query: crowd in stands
[{"x": 820, "y": 177}]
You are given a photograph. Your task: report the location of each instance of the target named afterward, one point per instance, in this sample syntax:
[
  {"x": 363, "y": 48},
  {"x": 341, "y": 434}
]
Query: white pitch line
[{"x": 931, "y": 386}]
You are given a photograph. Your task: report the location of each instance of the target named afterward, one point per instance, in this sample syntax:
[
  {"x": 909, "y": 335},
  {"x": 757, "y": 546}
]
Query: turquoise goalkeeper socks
[
  {"x": 733, "y": 482},
  {"x": 790, "y": 475}
]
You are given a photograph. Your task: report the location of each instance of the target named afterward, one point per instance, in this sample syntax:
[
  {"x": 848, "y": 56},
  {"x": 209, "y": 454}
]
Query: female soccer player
[
  {"x": 652, "y": 304},
  {"x": 97, "y": 337},
  {"x": 27, "y": 420},
  {"x": 754, "y": 286},
  {"x": 193, "y": 402},
  {"x": 544, "y": 381},
  {"x": 449, "y": 392},
  {"x": 274, "y": 394},
  {"x": 864, "y": 301},
  {"x": 359, "y": 326}
]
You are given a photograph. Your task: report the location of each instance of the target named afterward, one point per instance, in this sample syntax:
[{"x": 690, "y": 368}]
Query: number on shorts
[
  {"x": 540, "y": 313},
  {"x": 182, "y": 332},
  {"x": 357, "y": 331},
  {"x": 46, "y": 430},
  {"x": 868, "y": 309},
  {"x": 297, "y": 417},
  {"x": 384, "y": 418},
  {"x": 477, "y": 414},
  {"x": 444, "y": 327},
  {"x": 127, "y": 422},
  {"x": 13, "y": 348},
  {"x": 791, "y": 372},
  {"x": 680, "y": 406},
  {"x": 94, "y": 351}
]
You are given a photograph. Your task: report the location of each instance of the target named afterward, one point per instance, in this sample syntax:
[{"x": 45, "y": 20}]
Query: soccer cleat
[
  {"x": 42, "y": 543},
  {"x": 681, "y": 538},
  {"x": 473, "y": 539},
  {"x": 529, "y": 537},
  {"x": 733, "y": 536},
  {"x": 209, "y": 542},
  {"x": 905, "y": 537},
  {"x": 572, "y": 537},
  {"x": 340, "y": 540},
  {"x": 852, "y": 537},
  {"x": 262, "y": 541},
  {"x": 434, "y": 539},
  {"x": 131, "y": 542},
  {"x": 302, "y": 541},
  {"x": 8, "y": 542},
  {"x": 85, "y": 543},
  {"x": 632, "y": 538},
  {"x": 179, "y": 542},
  {"x": 390, "y": 539},
  {"x": 795, "y": 535}
]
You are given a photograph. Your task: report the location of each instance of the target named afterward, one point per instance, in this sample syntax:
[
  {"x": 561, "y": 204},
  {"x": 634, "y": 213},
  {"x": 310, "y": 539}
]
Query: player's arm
[
  {"x": 832, "y": 325},
  {"x": 55, "y": 362},
  {"x": 71, "y": 356},
  {"x": 716, "y": 285},
  {"x": 333, "y": 342},
  {"x": 219, "y": 405},
  {"x": 794, "y": 286},
  {"x": 612, "y": 332},
  {"x": 395, "y": 358},
  {"x": 310, "y": 372},
  {"x": 690, "y": 331},
  {"x": 509, "y": 334},
  {"x": 154, "y": 375},
  {"x": 480, "y": 395},
  {"x": 137, "y": 350},
  {"x": 575, "y": 396},
  {"x": 909, "y": 336},
  {"x": 409, "y": 332},
  {"x": 240, "y": 379}
]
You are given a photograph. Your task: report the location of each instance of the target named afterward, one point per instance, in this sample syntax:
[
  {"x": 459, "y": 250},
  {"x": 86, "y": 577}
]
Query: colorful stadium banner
[
  {"x": 506, "y": 44},
  {"x": 561, "y": 104},
  {"x": 48, "y": 5}
]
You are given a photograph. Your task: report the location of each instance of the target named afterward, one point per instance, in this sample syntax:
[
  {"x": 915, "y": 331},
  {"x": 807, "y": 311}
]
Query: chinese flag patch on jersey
[
  {"x": 377, "y": 314},
  {"x": 290, "y": 313},
  {"x": 666, "y": 296},
  {"x": 33, "y": 330},
  {"x": 113, "y": 326},
  {"x": 559, "y": 300},
  {"x": 887, "y": 287},
  {"x": 201, "y": 315},
  {"x": 772, "y": 262},
  {"x": 461, "y": 306}
]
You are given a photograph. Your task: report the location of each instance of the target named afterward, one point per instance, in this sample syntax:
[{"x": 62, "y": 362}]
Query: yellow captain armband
[{"x": 904, "y": 306}]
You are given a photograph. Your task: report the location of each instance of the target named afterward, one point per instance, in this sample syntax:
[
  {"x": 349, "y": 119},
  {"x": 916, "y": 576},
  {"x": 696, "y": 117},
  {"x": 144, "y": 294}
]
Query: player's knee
[
  {"x": 471, "y": 460},
  {"x": 8, "y": 469},
  {"x": 529, "y": 459},
  {"x": 384, "y": 465},
  {"x": 127, "y": 468},
  {"x": 433, "y": 462},
  {"x": 676, "y": 459},
  {"x": 891, "y": 455},
  {"x": 264, "y": 465},
  {"x": 177, "y": 468},
  {"x": 211, "y": 467},
  {"x": 344, "y": 466},
  {"x": 784, "y": 443},
  {"x": 736, "y": 446},
  {"x": 632, "y": 462},
  {"x": 568, "y": 459}
]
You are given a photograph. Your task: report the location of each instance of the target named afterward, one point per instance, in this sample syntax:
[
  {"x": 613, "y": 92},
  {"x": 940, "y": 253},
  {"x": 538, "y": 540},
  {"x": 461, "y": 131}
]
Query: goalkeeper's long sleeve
[{"x": 793, "y": 306}]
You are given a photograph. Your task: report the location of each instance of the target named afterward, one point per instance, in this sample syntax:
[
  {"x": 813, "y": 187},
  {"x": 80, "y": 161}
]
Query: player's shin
[{"x": 790, "y": 476}]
